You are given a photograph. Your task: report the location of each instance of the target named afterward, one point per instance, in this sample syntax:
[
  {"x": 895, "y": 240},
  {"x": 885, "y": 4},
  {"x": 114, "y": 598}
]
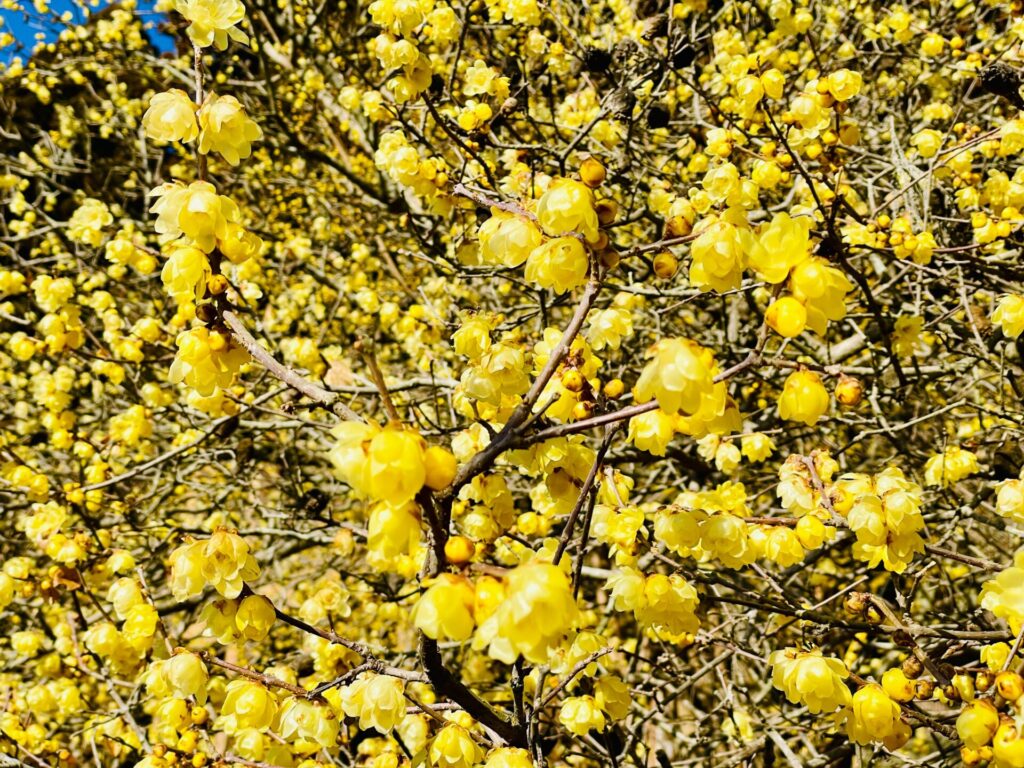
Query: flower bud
[
  {"x": 592, "y": 172},
  {"x": 849, "y": 390},
  {"x": 440, "y": 467},
  {"x": 1010, "y": 685},
  {"x": 459, "y": 550},
  {"x": 977, "y": 724},
  {"x": 786, "y": 316},
  {"x": 665, "y": 265}
]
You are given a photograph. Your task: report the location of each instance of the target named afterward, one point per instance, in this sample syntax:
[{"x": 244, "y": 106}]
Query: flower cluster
[{"x": 884, "y": 511}]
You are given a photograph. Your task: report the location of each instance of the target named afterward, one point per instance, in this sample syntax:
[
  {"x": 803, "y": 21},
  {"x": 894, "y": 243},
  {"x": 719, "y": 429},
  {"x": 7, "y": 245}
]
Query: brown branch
[
  {"x": 315, "y": 392},
  {"x": 450, "y": 687},
  {"x": 268, "y": 680},
  {"x": 371, "y": 663},
  {"x": 510, "y": 433},
  {"x": 365, "y": 348}
]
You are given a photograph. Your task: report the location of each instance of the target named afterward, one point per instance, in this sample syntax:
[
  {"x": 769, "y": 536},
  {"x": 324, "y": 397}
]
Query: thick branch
[{"x": 449, "y": 686}]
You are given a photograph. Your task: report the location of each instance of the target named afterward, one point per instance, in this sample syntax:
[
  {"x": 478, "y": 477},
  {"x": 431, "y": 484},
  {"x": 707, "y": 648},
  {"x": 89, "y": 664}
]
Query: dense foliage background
[{"x": 512, "y": 383}]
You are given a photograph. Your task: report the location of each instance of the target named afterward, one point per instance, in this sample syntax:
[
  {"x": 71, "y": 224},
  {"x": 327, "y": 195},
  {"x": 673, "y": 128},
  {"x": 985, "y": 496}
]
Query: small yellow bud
[
  {"x": 217, "y": 284},
  {"x": 786, "y": 316},
  {"x": 572, "y": 380},
  {"x": 678, "y": 226},
  {"x": 849, "y": 390},
  {"x": 459, "y": 550},
  {"x": 665, "y": 265},
  {"x": 607, "y": 211},
  {"x": 897, "y": 685},
  {"x": 440, "y": 466},
  {"x": 592, "y": 172},
  {"x": 614, "y": 389},
  {"x": 582, "y": 410},
  {"x": 1010, "y": 685}
]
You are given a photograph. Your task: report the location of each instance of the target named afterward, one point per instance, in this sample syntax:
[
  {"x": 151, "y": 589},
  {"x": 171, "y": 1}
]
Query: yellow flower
[
  {"x": 652, "y": 431},
  {"x": 773, "y": 82},
  {"x": 508, "y": 757},
  {"x": 568, "y": 206},
  {"x": 950, "y": 466},
  {"x": 886, "y": 517},
  {"x": 439, "y": 467},
  {"x": 580, "y": 715},
  {"x": 377, "y": 700},
  {"x": 185, "y": 273},
  {"x": 171, "y": 117},
  {"x": 897, "y": 686},
  {"x": 1008, "y": 746},
  {"x": 453, "y": 747},
  {"x": 302, "y": 719},
  {"x": 612, "y": 696},
  {"x": 393, "y": 530},
  {"x": 678, "y": 376},
  {"x": 213, "y": 21},
  {"x": 807, "y": 677},
  {"x": 219, "y": 618},
  {"x": 872, "y": 715},
  {"x": 534, "y": 589},
  {"x": 804, "y": 398},
  {"x": 223, "y": 561},
  {"x": 906, "y": 336},
  {"x": 927, "y": 142},
  {"x": 822, "y": 289},
  {"x": 507, "y": 239},
  {"x": 473, "y": 338},
  {"x": 395, "y": 469},
  {"x": 206, "y": 360},
  {"x": 1009, "y": 315},
  {"x": 607, "y": 327},
  {"x": 844, "y": 84},
  {"x": 1004, "y": 595},
  {"x": 195, "y": 211},
  {"x": 51, "y": 293},
  {"x": 254, "y": 617},
  {"x": 717, "y": 255},
  {"x": 501, "y": 373},
  {"x": 560, "y": 264},
  {"x": 182, "y": 675},
  {"x": 727, "y": 538},
  {"x": 779, "y": 247},
  {"x": 669, "y": 604},
  {"x": 783, "y": 546},
  {"x": 977, "y": 723},
  {"x": 225, "y": 128},
  {"x": 87, "y": 222},
  {"x": 238, "y": 244},
  {"x": 756, "y": 447},
  {"x": 445, "y": 610},
  {"x": 247, "y": 704},
  {"x": 1010, "y": 500}
]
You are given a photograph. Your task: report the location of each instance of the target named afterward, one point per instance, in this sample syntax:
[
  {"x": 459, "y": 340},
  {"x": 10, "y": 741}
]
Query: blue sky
[{"x": 25, "y": 31}]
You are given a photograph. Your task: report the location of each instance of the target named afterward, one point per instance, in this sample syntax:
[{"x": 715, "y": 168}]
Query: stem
[{"x": 325, "y": 397}]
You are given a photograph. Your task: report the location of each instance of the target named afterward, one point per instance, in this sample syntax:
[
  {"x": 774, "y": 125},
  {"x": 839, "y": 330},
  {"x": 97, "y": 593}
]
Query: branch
[
  {"x": 315, "y": 392},
  {"x": 268, "y": 680},
  {"x": 447, "y": 685},
  {"x": 509, "y": 434}
]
